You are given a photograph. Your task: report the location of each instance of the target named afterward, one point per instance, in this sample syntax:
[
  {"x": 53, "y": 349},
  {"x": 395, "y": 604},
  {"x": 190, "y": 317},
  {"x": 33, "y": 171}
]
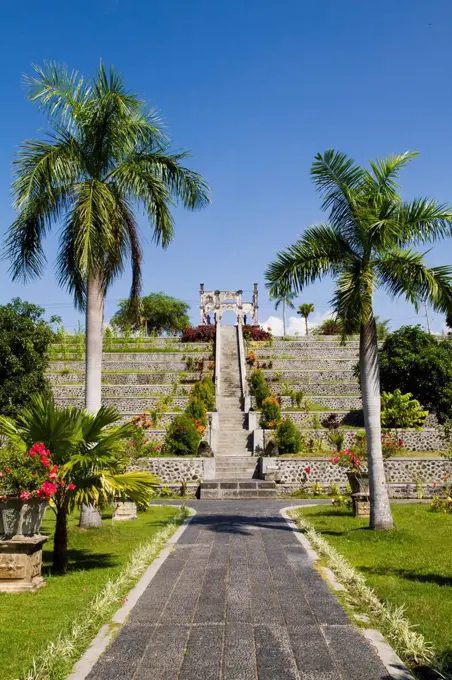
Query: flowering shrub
[
  {"x": 204, "y": 333},
  {"x": 182, "y": 437},
  {"x": 270, "y": 413},
  {"x": 391, "y": 445},
  {"x": 204, "y": 390},
  {"x": 28, "y": 475},
  {"x": 197, "y": 413},
  {"x": 351, "y": 460},
  {"x": 142, "y": 421},
  {"x": 258, "y": 387},
  {"x": 256, "y": 333},
  {"x": 251, "y": 358}
]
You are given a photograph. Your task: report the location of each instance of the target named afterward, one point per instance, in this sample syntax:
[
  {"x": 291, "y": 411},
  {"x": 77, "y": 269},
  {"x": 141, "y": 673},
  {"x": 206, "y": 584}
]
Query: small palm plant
[
  {"x": 305, "y": 310},
  {"x": 284, "y": 299},
  {"x": 367, "y": 244},
  {"x": 90, "y": 452},
  {"x": 106, "y": 157}
]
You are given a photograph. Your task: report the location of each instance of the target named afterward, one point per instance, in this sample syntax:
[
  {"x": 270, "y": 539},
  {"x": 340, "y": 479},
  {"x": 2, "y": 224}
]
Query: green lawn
[
  {"x": 411, "y": 565},
  {"x": 31, "y": 620}
]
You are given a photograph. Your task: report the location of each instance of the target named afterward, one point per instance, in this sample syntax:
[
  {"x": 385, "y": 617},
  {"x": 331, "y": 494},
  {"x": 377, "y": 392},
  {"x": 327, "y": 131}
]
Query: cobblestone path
[{"x": 238, "y": 599}]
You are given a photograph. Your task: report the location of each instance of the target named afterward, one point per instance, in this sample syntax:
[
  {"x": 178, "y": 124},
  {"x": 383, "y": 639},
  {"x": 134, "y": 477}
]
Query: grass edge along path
[
  {"x": 410, "y": 645},
  {"x": 57, "y": 659}
]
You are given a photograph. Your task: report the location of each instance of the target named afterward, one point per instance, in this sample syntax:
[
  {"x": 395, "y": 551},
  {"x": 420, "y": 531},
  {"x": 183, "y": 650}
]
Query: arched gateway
[{"x": 216, "y": 302}]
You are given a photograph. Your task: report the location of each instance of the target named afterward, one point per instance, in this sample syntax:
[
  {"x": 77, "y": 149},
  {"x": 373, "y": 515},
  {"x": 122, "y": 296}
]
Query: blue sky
[{"x": 254, "y": 89}]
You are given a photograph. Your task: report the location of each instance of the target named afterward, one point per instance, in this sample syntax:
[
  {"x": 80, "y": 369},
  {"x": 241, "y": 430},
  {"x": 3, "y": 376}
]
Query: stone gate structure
[{"x": 216, "y": 302}]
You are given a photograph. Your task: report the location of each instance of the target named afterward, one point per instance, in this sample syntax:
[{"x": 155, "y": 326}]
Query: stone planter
[
  {"x": 125, "y": 510},
  {"x": 21, "y": 519},
  {"x": 359, "y": 483},
  {"x": 21, "y": 564}
]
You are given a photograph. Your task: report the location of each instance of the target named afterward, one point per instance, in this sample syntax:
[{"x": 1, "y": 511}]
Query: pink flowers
[
  {"x": 25, "y": 495},
  {"x": 47, "y": 490},
  {"x": 53, "y": 474},
  {"x": 71, "y": 487}
]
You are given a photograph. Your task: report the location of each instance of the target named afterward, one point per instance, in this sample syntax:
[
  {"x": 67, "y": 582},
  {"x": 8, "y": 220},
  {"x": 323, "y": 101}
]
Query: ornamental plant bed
[
  {"x": 29, "y": 623},
  {"x": 409, "y": 566}
]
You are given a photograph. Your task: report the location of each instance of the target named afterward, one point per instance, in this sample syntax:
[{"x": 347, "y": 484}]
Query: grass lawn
[
  {"x": 29, "y": 621},
  {"x": 409, "y": 566}
]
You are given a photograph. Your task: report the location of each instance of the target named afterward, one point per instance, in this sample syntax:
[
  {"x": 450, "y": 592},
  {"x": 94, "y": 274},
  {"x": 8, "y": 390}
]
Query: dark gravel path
[{"x": 238, "y": 599}]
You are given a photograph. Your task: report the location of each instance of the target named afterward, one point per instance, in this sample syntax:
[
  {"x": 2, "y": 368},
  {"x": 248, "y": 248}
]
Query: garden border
[{"x": 392, "y": 662}]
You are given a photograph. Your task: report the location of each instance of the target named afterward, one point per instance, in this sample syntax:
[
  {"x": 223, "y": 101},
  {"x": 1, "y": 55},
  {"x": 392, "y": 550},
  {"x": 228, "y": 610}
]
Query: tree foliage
[
  {"x": 420, "y": 363},
  {"x": 24, "y": 343},
  {"x": 155, "y": 313},
  {"x": 401, "y": 410},
  {"x": 258, "y": 387}
]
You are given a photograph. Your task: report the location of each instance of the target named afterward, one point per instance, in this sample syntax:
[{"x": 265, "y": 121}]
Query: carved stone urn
[
  {"x": 21, "y": 518},
  {"x": 21, "y": 545}
]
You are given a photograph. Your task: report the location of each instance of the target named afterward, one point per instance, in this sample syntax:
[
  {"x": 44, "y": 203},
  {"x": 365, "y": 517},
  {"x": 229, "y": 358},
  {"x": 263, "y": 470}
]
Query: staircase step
[{"x": 237, "y": 488}]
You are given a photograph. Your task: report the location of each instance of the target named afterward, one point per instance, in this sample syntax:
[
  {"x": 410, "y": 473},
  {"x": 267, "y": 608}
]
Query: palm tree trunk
[
  {"x": 284, "y": 317},
  {"x": 306, "y": 324},
  {"x": 93, "y": 360},
  {"x": 380, "y": 509},
  {"x": 60, "y": 558}
]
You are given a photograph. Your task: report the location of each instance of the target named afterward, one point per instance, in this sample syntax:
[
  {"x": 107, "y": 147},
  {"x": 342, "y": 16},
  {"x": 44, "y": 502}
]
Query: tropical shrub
[
  {"x": 251, "y": 358},
  {"x": 288, "y": 437},
  {"x": 197, "y": 412},
  {"x": 349, "y": 459},
  {"x": 25, "y": 339},
  {"x": 258, "y": 387},
  {"x": 89, "y": 452},
  {"x": 204, "y": 390},
  {"x": 205, "y": 333},
  {"x": 256, "y": 334},
  {"x": 419, "y": 363},
  {"x": 391, "y": 445},
  {"x": 327, "y": 327},
  {"x": 270, "y": 413},
  {"x": 182, "y": 437},
  {"x": 400, "y": 410}
]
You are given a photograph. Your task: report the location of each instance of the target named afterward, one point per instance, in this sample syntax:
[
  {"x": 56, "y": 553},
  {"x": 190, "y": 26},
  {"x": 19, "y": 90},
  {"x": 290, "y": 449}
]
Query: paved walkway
[{"x": 238, "y": 599}]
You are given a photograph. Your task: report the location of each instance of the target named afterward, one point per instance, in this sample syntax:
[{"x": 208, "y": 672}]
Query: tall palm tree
[
  {"x": 366, "y": 244},
  {"x": 285, "y": 298},
  {"x": 106, "y": 156},
  {"x": 89, "y": 449},
  {"x": 305, "y": 310}
]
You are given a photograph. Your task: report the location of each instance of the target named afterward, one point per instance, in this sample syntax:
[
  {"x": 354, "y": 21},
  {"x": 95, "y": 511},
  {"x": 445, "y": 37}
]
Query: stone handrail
[
  {"x": 242, "y": 365},
  {"x": 217, "y": 359}
]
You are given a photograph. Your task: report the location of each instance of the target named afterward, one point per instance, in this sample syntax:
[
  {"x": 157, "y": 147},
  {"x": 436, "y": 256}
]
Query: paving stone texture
[{"x": 238, "y": 599}]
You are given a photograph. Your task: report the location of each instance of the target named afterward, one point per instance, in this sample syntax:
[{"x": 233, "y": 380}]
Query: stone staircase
[{"x": 234, "y": 461}]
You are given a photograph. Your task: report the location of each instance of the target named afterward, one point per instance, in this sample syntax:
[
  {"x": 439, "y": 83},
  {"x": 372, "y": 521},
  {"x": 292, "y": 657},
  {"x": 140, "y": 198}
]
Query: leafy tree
[
  {"x": 105, "y": 157},
  {"x": 415, "y": 361},
  {"x": 156, "y": 312},
  {"x": 400, "y": 410},
  {"x": 305, "y": 310},
  {"x": 366, "y": 244},
  {"x": 90, "y": 452},
  {"x": 286, "y": 300},
  {"x": 24, "y": 343}
]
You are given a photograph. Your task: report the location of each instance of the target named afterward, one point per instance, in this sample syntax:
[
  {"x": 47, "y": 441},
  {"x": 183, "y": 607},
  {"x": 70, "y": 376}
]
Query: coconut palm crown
[
  {"x": 105, "y": 157},
  {"x": 366, "y": 244},
  {"x": 305, "y": 310}
]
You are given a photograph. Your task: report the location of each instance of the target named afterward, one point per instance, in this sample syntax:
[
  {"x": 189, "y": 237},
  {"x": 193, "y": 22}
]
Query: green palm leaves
[
  {"x": 106, "y": 156},
  {"x": 367, "y": 242}
]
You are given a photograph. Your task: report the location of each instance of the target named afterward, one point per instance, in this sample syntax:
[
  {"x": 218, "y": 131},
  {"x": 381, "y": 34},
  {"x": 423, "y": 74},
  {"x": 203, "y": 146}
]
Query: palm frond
[
  {"x": 320, "y": 251},
  {"x": 404, "y": 273},
  {"x": 386, "y": 171},
  {"x": 422, "y": 220}
]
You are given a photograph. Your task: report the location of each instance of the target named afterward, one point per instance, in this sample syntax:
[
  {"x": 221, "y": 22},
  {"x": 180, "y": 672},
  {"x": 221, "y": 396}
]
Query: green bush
[
  {"x": 25, "y": 339},
  {"x": 204, "y": 391},
  {"x": 288, "y": 437},
  {"x": 270, "y": 413},
  {"x": 414, "y": 361},
  {"x": 258, "y": 387},
  {"x": 400, "y": 410},
  {"x": 196, "y": 410},
  {"x": 182, "y": 437}
]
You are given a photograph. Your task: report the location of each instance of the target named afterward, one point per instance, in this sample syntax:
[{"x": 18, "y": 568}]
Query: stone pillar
[
  {"x": 201, "y": 306},
  {"x": 21, "y": 564},
  {"x": 256, "y": 304}
]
